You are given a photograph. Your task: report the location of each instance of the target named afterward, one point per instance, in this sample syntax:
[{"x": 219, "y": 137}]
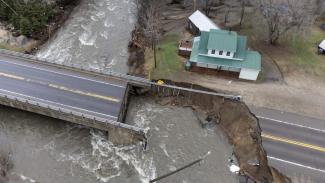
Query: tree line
[
  {"x": 30, "y": 16},
  {"x": 280, "y": 18}
]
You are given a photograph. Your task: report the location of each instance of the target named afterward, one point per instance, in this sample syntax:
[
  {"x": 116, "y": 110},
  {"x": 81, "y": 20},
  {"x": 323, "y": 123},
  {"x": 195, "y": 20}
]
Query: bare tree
[
  {"x": 229, "y": 5},
  {"x": 242, "y": 12},
  {"x": 283, "y": 16},
  {"x": 208, "y": 5},
  {"x": 149, "y": 21},
  {"x": 320, "y": 8}
]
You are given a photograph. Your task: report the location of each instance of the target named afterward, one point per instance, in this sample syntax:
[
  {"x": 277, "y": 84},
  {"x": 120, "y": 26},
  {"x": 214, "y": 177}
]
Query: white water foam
[
  {"x": 87, "y": 38},
  {"x": 104, "y": 160},
  {"x": 108, "y": 23},
  {"x": 111, "y": 8},
  {"x": 24, "y": 177}
]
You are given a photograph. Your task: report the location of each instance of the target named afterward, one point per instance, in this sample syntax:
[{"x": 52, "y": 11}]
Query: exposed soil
[
  {"x": 233, "y": 117},
  {"x": 136, "y": 50},
  {"x": 237, "y": 122}
]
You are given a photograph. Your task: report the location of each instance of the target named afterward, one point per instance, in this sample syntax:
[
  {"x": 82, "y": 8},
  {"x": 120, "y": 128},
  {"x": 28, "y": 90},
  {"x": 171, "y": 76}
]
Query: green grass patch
[
  {"x": 304, "y": 53},
  {"x": 168, "y": 61}
]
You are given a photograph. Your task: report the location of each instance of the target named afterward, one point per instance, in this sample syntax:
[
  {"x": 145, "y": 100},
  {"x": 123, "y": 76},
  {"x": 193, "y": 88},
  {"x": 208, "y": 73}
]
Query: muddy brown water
[{"x": 48, "y": 150}]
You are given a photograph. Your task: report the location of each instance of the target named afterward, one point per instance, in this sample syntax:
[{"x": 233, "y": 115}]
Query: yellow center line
[
  {"x": 84, "y": 93},
  {"x": 11, "y": 76},
  {"x": 293, "y": 142},
  {"x": 62, "y": 88}
]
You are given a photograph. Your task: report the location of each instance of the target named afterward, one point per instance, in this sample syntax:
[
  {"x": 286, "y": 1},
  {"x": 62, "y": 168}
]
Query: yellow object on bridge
[{"x": 160, "y": 82}]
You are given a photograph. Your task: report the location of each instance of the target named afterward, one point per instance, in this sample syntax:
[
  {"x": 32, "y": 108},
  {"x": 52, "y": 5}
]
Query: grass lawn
[
  {"x": 295, "y": 56},
  {"x": 168, "y": 61},
  {"x": 304, "y": 53}
]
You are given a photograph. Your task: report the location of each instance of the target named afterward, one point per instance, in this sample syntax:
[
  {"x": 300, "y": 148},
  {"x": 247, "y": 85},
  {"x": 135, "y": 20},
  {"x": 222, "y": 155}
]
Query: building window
[
  {"x": 228, "y": 53},
  {"x": 213, "y": 51},
  {"x": 220, "y": 52}
]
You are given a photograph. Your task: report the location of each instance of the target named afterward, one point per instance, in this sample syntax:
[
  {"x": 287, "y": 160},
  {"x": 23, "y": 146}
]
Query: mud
[{"x": 239, "y": 125}]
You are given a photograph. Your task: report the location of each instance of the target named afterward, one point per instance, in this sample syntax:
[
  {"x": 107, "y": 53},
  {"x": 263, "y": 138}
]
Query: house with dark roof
[{"x": 225, "y": 50}]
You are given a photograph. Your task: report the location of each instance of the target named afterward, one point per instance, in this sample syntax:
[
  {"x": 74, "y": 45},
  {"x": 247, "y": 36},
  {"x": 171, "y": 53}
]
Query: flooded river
[
  {"x": 47, "y": 150},
  {"x": 96, "y": 35}
]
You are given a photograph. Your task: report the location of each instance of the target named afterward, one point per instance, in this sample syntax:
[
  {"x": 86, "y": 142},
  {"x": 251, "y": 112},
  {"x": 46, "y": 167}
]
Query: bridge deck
[{"x": 65, "y": 88}]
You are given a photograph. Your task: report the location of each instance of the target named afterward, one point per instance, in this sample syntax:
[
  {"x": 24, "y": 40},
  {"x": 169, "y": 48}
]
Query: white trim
[
  {"x": 42, "y": 69},
  {"x": 296, "y": 164},
  {"x": 292, "y": 124},
  {"x": 184, "y": 49},
  {"x": 217, "y": 56}
]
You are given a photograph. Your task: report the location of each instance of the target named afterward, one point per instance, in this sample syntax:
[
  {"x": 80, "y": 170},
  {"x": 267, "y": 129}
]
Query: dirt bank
[{"x": 239, "y": 125}]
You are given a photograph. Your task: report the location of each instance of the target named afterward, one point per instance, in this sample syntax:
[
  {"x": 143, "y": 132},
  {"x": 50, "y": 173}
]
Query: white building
[{"x": 199, "y": 22}]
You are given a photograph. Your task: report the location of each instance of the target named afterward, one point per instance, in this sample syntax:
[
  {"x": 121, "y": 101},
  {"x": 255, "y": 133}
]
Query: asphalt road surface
[
  {"x": 295, "y": 144},
  {"x": 76, "y": 91}
]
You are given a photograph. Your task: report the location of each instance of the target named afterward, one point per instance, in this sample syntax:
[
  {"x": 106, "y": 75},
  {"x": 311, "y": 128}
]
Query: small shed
[
  {"x": 185, "y": 48},
  {"x": 321, "y": 47},
  {"x": 199, "y": 22}
]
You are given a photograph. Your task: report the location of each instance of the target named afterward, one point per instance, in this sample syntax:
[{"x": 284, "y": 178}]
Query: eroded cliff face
[{"x": 239, "y": 125}]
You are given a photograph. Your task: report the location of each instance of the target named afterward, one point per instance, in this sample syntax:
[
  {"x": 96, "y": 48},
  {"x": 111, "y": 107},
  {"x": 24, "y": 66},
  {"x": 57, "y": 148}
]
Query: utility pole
[
  {"x": 153, "y": 47},
  {"x": 154, "y": 51},
  {"x": 180, "y": 169}
]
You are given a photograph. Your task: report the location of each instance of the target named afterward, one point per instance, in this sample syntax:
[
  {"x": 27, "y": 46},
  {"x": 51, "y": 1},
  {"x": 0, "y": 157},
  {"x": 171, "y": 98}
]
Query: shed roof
[
  {"x": 322, "y": 44},
  {"x": 222, "y": 40},
  {"x": 202, "y": 22}
]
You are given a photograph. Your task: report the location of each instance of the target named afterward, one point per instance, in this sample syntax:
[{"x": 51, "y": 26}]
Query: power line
[{"x": 4, "y": 2}]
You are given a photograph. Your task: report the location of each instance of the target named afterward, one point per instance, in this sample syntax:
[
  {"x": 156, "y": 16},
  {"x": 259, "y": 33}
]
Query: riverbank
[
  {"x": 229, "y": 119},
  {"x": 11, "y": 40},
  {"x": 240, "y": 126}
]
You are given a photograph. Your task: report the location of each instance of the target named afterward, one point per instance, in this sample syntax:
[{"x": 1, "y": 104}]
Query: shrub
[{"x": 29, "y": 17}]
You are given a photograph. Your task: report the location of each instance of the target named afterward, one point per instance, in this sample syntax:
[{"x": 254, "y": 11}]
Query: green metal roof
[
  {"x": 242, "y": 58},
  {"x": 222, "y": 40},
  {"x": 252, "y": 61}
]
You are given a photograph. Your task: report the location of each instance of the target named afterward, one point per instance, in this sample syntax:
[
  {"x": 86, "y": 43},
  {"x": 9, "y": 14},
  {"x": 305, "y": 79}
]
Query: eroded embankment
[{"x": 236, "y": 121}]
